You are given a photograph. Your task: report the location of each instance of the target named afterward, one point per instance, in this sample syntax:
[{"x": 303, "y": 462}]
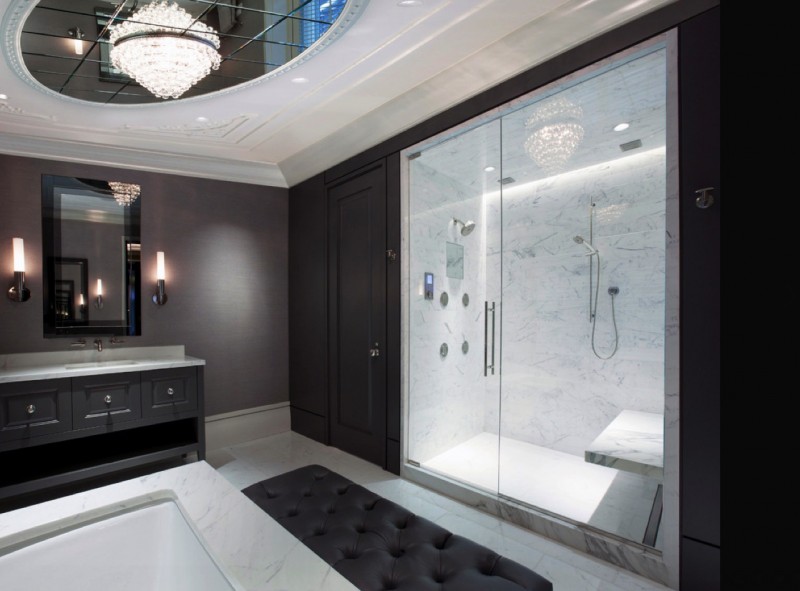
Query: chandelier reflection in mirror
[
  {"x": 164, "y": 48},
  {"x": 555, "y": 132},
  {"x": 124, "y": 193}
]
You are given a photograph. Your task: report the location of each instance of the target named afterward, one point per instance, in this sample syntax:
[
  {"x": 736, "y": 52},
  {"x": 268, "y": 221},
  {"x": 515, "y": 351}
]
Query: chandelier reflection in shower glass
[
  {"x": 164, "y": 49},
  {"x": 554, "y": 133},
  {"x": 124, "y": 193}
]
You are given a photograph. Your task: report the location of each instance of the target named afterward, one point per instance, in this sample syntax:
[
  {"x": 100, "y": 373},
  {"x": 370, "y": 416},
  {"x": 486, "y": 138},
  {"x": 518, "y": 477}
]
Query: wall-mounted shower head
[
  {"x": 467, "y": 227},
  {"x": 582, "y": 240}
]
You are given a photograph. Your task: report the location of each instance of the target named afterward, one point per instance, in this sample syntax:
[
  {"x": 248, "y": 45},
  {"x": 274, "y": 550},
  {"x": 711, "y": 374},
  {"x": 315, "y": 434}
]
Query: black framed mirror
[{"x": 91, "y": 250}]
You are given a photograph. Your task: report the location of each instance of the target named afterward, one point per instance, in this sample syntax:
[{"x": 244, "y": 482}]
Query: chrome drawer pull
[
  {"x": 170, "y": 391},
  {"x": 31, "y": 409},
  {"x": 107, "y": 399}
]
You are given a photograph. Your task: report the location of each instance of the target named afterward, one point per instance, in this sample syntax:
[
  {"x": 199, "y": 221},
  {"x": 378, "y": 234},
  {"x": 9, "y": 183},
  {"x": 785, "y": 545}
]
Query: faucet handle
[
  {"x": 75, "y": 344},
  {"x": 116, "y": 341}
]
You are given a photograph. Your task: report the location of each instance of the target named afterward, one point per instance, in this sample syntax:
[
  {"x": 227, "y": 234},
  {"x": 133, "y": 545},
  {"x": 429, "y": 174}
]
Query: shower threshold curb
[{"x": 636, "y": 558}]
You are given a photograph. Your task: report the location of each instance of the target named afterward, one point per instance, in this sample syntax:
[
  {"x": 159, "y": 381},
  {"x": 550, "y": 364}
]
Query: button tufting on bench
[{"x": 371, "y": 562}]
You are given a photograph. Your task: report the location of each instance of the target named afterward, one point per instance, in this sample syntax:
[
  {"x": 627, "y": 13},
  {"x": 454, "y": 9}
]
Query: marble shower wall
[
  {"x": 555, "y": 392},
  {"x": 445, "y": 394}
]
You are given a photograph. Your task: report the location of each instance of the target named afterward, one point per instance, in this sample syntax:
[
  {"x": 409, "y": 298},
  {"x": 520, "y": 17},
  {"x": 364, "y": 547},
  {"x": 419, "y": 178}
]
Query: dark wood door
[{"x": 357, "y": 314}]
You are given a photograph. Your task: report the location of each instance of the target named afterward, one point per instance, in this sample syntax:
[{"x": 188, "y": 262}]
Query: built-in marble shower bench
[{"x": 634, "y": 442}]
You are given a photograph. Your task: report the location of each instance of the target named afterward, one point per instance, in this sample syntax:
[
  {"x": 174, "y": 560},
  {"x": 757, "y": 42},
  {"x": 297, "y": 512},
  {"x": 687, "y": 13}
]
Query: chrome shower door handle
[{"x": 486, "y": 364}]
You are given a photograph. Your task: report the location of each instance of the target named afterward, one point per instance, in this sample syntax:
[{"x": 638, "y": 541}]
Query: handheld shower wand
[{"x": 581, "y": 240}]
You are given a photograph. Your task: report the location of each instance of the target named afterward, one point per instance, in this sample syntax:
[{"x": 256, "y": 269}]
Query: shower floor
[{"x": 608, "y": 499}]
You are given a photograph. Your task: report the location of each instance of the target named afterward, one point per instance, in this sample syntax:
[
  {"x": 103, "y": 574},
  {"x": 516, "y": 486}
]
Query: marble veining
[
  {"x": 634, "y": 442},
  {"x": 20, "y": 367},
  {"x": 255, "y": 549}
]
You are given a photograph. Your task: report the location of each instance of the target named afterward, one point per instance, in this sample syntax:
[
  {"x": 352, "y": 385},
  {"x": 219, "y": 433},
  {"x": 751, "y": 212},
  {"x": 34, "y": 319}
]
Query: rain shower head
[
  {"x": 582, "y": 240},
  {"x": 467, "y": 228}
]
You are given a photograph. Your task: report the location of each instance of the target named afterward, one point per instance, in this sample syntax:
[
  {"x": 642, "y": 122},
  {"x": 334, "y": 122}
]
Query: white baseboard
[{"x": 241, "y": 426}]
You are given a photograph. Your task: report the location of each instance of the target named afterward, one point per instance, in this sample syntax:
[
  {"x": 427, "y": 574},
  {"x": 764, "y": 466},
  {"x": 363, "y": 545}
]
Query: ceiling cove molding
[
  {"x": 212, "y": 129},
  {"x": 7, "y": 109},
  {"x": 17, "y": 13},
  {"x": 238, "y": 171}
]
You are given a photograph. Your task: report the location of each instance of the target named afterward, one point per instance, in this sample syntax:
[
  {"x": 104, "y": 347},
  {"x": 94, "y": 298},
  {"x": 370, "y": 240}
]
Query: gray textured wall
[{"x": 226, "y": 248}]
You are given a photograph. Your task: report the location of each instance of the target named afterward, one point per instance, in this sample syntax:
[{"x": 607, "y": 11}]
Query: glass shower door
[
  {"x": 454, "y": 254},
  {"x": 583, "y": 282}
]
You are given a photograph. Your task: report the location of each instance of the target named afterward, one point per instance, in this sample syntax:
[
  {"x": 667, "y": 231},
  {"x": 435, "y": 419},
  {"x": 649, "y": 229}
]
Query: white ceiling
[{"x": 392, "y": 68}]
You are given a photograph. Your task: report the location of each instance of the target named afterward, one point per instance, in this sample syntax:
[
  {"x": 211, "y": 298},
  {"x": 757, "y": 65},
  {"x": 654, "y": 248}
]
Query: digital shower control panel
[{"x": 428, "y": 286}]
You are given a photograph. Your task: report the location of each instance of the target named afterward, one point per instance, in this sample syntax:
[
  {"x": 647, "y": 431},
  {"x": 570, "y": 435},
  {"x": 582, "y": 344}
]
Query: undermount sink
[{"x": 90, "y": 364}]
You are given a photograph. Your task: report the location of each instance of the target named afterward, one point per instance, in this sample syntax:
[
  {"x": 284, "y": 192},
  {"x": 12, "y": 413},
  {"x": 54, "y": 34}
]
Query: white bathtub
[{"x": 151, "y": 546}]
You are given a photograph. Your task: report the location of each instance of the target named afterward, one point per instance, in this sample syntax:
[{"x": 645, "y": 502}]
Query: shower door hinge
[
  {"x": 414, "y": 155},
  {"x": 391, "y": 254},
  {"x": 413, "y": 463}
]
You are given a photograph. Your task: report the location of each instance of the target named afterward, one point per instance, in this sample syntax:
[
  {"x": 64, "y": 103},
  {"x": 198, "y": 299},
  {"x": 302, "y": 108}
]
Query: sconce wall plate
[{"x": 18, "y": 292}]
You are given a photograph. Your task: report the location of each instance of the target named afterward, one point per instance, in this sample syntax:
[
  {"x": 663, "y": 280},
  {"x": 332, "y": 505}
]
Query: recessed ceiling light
[
  {"x": 3, "y": 97},
  {"x": 489, "y": 169},
  {"x": 406, "y": 3},
  {"x": 300, "y": 80},
  {"x": 621, "y": 126},
  {"x": 201, "y": 119}
]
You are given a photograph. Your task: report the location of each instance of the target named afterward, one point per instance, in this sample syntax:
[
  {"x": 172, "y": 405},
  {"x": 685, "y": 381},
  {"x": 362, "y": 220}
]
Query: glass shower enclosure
[{"x": 534, "y": 299}]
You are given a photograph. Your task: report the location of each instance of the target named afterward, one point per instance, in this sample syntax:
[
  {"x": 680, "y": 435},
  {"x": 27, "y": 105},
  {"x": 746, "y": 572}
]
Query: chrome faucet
[{"x": 98, "y": 344}]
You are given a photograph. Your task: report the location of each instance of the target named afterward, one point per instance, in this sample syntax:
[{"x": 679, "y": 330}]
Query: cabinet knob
[
  {"x": 170, "y": 391},
  {"x": 107, "y": 399},
  {"x": 31, "y": 408}
]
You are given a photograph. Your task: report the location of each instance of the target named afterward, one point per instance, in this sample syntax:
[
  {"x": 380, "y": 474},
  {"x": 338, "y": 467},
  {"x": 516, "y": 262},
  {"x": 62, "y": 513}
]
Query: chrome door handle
[
  {"x": 375, "y": 351},
  {"x": 107, "y": 399},
  {"x": 486, "y": 361}
]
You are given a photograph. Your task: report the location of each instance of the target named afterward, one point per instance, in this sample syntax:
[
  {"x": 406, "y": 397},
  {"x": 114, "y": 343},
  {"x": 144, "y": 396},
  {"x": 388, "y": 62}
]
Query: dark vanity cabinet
[{"x": 57, "y": 432}]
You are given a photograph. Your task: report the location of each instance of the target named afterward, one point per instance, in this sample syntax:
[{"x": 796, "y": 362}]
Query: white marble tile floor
[{"x": 568, "y": 569}]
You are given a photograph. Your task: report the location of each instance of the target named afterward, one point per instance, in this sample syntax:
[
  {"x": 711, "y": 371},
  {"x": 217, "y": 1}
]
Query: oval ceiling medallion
[{"x": 155, "y": 51}]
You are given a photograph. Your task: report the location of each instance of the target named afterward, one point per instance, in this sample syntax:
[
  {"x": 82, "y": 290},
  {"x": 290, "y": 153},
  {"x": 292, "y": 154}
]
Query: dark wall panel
[
  {"x": 308, "y": 285},
  {"x": 226, "y": 247},
  {"x": 699, "y": 55},
  {"x": 700, "y": 567}
]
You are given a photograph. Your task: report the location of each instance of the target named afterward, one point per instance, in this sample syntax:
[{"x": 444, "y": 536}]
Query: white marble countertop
[
  {"x": 633, "y": 441},
  {"x": 254, "y": 548},
  {"x": 21, "y": 367}
]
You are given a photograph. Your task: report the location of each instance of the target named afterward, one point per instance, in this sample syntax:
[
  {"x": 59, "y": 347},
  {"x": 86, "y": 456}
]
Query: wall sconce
[
  {"x": 18, "y": 292},
  {"x": 160, "y": 297},
  {"x": 98, "y": 300}
]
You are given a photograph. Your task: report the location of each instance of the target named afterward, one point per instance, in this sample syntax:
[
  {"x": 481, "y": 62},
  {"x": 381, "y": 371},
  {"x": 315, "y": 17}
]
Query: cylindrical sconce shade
[
  {"x": 19, "y": 255},
  {"x": 99, "y": 287},
  {"x": 18, "y": 292},
  {"x": 160, "y": 271}
]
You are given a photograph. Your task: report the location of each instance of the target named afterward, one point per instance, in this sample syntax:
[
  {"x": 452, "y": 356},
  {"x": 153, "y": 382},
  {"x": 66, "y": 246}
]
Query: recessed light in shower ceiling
[{"x": 257, "y": 40}]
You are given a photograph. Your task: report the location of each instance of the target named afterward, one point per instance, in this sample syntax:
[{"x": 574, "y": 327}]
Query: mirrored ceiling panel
[{"x": 66, "y": 46}]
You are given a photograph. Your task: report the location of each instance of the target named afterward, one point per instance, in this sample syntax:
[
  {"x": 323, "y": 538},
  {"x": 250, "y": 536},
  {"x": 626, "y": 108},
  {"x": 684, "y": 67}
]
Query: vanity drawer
[
  {"x": 106, "y": 399},
  {"x": 28, "y": 409},
  {"x": 169, "y": 391}
]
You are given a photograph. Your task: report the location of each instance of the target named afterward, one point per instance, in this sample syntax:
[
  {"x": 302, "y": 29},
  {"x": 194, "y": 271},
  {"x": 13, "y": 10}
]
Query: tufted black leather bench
[{"x": 377, "y": 544}]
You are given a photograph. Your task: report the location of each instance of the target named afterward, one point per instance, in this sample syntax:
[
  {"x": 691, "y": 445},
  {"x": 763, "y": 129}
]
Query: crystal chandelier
[
  {"x": 555, "y": 133},
  {"x": 164, "y": 49},
  {"x": 124, "y": 193}
]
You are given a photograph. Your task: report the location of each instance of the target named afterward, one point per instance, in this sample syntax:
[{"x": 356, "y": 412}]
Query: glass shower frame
[{"x": 484, "y": 481}]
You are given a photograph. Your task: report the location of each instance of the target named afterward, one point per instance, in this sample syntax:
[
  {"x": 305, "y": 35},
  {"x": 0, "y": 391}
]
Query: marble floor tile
[{"x": 568, "y": 569}]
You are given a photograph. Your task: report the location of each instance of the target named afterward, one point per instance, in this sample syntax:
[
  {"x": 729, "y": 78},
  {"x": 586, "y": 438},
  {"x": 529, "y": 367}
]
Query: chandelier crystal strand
[
  {"x": 124, "y": 193},
  {"x": 555, "y": 133},
  {"x": 164, "y": 49}
]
